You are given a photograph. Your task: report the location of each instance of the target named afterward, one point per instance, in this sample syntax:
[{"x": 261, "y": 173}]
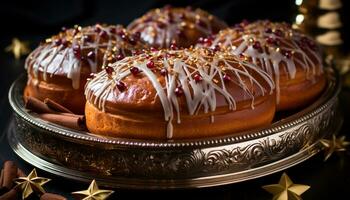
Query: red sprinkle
[
  {"x": 198, "y": 78},
  {"x": 64, "y": 43},
  {"x": 121, "y": 86},
  {"x": 207, "y": 41},
  {"x": 153, "y": 49},
  {"x": 179, "y": 91},
  {"x": 113, "y": 30},
  {"x": 77, "y": 51},
  {"x": 121, "y": 32},
  {"x": 173, "y": 46},
  {"x": 150, "y": 64},
  {"x": 112, "y": 60},
  {"x": 278, "y": 33},
  {"x": 58, "y": 42},
  {"x": 226, "y": 78},
  {"x": 215, "y": 48},
  {"x": 135, "y": 70},
  {"x": 124, "y": 37},
  {"x": 270, "y": 40},
  {"x": 241, "y": 56},
  {"x": 109, "y": 70},
  {"x": 87, "y": 38},
  {"x": 75, "y": 31},
  {"x": 91, "y": 55},
  {"x": 161, "y": 25},
  {"x": 97, "y": 28},
  {"x": 201, "y": 23},
  {"x": 201, "y": 40},
  {"x": 268, "y": 30},
  {"x": 287, "y": 54},
  {"x": 103, "y": 34},
  {"x": 163, "y": 72},
  {"x": 257, "y": 46},
  {"x": 120, "y": 57},
  {"x": 92, "y": 75}
]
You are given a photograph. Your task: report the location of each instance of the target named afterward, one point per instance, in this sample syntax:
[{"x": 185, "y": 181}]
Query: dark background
[
  {"x": 36, "y": 20},
  {"x": 43, "y": 18}
]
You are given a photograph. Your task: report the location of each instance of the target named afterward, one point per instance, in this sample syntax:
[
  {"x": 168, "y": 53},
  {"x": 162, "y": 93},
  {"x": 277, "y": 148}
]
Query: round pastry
[
  {"x": 162, "y": 27},
  {"x": 292, "y": 58},
  {"x": 59, "y": 67},
  {"x": 179, "y": 94}
]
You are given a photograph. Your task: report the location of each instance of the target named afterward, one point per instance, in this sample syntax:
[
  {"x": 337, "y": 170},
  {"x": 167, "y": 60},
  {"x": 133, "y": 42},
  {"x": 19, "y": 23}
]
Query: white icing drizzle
[
  {"x": 51, "y": 58},
  {"x": 181, "y": 66},
  {"x": 162, "y": 27},
  {"x": 240, "y": 41}
]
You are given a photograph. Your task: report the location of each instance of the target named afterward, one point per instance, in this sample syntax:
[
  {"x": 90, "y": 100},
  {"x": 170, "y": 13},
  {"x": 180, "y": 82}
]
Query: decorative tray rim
[{"x": 15, "y": 96}]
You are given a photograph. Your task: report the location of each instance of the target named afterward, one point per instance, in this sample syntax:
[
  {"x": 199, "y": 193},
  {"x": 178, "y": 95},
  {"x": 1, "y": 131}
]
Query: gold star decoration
[
  {"x": 286, "y": 189},
  {"x": 31, "y": 183},
  {"x": 18, "y": 48},
  {"x": 334, "y": 145},
  {"x": 93, "y": 193}
]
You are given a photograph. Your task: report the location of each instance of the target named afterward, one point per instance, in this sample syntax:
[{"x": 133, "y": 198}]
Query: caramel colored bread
[
  {"x": 179, "y": 94},
  {"x": 292, "y": 58},
  {"x": 183, "y": 26},
  {"x": 59, "y": 67}
]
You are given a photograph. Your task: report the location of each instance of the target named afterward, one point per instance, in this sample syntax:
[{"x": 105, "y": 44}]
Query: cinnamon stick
[
  {"x": 65, "y": 119},
  {"x": 20, "y": 173},
  {"x": 50, "y": 196},
  {"x": 10, "y": 195},
  {"x": 10, "y": 173},
  {"x": 56, "y": 106},
  {"x": 38, "y": 106}
]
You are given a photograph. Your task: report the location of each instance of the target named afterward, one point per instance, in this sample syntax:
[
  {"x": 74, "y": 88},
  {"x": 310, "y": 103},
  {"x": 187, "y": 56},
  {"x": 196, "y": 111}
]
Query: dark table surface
[{"x": 328, "y": 180}]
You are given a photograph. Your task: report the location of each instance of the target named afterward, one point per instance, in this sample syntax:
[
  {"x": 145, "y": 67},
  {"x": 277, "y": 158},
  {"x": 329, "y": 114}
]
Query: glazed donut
[
  {"x": 179, "y": 94},
  {"x": 292, "y": 58},
  {"x": 162, "y": 27},
  {"x": 58, "y": 68}
]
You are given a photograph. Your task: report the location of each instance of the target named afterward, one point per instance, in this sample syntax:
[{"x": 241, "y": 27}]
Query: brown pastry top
[
  {"x": 275, "y": 47},
  {"x": 73, "y": 54},
  {"x": 163, "y": 26}
]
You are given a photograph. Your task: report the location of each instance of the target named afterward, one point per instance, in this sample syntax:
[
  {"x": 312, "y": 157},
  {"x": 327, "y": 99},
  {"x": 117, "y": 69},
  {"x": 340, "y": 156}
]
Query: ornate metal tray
[{"x": 127, "y": 163}]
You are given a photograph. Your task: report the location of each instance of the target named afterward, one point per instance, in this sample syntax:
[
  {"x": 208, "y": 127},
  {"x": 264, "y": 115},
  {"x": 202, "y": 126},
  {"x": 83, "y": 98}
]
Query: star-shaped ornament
[
  {"x": 286, "y": 189},
  {"x": 31, "y": 183},
  {"x": 93, "y": 193},
  {"x": 18, "y": 48},
  {"x": 334, "y": 145}
]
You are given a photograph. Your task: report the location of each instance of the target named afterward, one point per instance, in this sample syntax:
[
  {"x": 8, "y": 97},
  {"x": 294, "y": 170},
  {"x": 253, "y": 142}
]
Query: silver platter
[{"x": 127, "y": 163}]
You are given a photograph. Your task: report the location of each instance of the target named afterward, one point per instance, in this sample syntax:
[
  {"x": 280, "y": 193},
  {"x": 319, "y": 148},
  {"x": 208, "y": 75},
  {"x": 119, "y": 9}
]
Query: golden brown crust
[
  {"x": 299, "y": 93},
  {"x": 151, "y": 125},
  {"x": 183, "y": 26}
]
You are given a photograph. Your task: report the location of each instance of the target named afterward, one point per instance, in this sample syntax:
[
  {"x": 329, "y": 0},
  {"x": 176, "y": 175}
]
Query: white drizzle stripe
[{"x": 182, "y": 65}]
